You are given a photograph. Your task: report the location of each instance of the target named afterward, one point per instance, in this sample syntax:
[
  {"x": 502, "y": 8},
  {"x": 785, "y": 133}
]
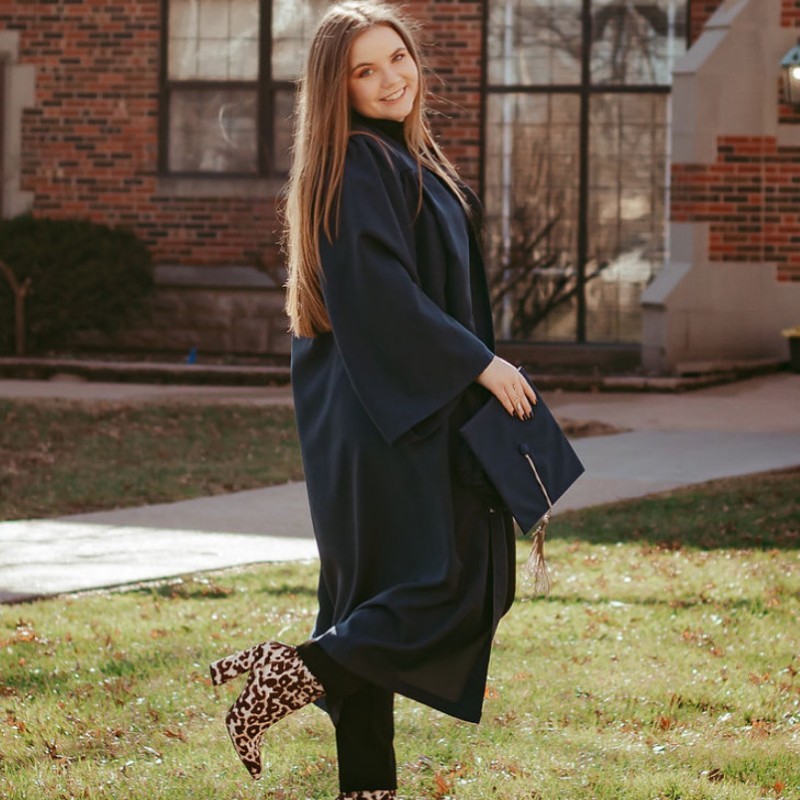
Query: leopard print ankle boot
[
  {"x": 377, "y": 794},
  {"x": 279, "y": 683}
]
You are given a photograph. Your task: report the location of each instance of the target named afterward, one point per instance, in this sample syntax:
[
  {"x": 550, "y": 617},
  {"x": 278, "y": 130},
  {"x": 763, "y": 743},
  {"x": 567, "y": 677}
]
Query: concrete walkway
[{"x": 672, "y": 441}]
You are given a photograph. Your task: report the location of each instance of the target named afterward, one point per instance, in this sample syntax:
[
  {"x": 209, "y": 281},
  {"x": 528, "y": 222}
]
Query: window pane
[
  {"x": 532, "y": 152},
  {"x": 534, "y": 42},
  {"x": 628, "y": 166},
  {"x": 293, "y": 22},
  {"x": 212, "y": 131},
  {"x": 637, "y": 42},
  {"x": 213, "y": 39},
  {"x": 241, "y": 59},
  {"x": 182, "y": 57}
]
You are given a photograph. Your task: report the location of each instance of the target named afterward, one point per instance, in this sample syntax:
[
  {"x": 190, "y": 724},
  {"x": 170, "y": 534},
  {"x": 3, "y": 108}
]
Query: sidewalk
[{"x": 671, "y": 441}]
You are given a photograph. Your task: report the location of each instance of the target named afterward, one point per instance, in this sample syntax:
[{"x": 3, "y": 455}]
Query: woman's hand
[{"x": 506, "y": 383}]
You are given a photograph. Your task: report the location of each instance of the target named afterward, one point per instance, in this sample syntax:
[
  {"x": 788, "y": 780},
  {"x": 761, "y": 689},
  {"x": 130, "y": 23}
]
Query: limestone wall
[{"x": 217, "y": 310}]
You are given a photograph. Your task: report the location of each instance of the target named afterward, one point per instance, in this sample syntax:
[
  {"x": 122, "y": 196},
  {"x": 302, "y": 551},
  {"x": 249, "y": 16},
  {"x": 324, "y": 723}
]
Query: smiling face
[{"x": 383, "y": 80}]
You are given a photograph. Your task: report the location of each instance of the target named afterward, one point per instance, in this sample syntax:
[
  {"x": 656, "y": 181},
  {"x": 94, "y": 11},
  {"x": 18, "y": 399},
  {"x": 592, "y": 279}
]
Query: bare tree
[
  {"x": 536, "y": 281},
  {"x": 534, "y": 272},
  {"x": 20, "y": 291}
]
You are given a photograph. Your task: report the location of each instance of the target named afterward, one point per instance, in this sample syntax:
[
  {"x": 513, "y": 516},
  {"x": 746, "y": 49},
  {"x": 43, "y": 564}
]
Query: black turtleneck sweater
[{"x": 392, "y": 128}]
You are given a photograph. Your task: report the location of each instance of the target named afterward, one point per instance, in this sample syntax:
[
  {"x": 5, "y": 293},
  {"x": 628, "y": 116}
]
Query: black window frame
[
  {"x": 585, "y": 89},
  {"x": 266, "y": 89}
]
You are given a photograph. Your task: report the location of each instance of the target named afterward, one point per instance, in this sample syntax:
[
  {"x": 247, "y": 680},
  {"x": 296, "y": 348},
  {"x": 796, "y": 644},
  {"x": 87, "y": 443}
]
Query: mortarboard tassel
[{"x": 536, "y": 566}]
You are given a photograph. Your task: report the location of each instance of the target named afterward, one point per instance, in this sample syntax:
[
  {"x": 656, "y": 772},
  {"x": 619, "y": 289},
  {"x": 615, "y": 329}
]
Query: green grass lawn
[
  {"x": 61, "y": 458},
  {"x": 664, "y": 666}
]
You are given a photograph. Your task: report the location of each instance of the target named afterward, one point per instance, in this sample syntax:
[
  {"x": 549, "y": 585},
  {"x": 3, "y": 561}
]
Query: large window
[
  {"x": 228, "y": 77},
  {"x": 576, "y": 161}
]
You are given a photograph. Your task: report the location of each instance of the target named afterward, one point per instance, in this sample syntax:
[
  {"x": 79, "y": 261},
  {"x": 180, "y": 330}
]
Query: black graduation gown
[{"x": 416, "y": 569}]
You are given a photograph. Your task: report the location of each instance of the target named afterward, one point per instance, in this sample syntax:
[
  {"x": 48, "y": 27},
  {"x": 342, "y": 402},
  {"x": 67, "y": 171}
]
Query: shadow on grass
[
  {"x": 290, "y": 590},
  {"x": 752, "y": 512},
  {"x": 186, "y": 589},
  {"x": 207, "y": 588}
]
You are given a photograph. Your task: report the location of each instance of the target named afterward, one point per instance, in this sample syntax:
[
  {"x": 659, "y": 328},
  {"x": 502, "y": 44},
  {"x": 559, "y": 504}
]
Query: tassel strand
[{"x": 536, "y": 567}]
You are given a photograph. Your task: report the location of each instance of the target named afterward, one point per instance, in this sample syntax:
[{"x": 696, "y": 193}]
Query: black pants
[{"x": 365, "y": 728}]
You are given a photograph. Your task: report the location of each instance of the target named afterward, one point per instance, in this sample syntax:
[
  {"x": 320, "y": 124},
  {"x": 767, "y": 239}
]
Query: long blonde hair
[{"x": 322, "y": 129}]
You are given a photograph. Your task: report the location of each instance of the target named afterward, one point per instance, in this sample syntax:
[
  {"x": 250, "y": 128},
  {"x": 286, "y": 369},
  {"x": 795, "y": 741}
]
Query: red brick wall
[
  {"x": 790, "y": 13},
  {"x": 699, "y": 13},
  {"x": 751, "y": 199},
  {"x": 90, "y": 144},
  {"x": 452, "y": 40}
]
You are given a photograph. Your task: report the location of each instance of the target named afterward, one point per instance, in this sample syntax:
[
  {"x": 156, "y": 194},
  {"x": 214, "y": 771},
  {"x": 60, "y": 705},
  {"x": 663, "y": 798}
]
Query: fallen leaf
[
  {"x": 761, "y": 729},
  {"x": 666, "y": 723},
  {"x": 13, "y": 722},
  {"x": 442, "y": 785}
]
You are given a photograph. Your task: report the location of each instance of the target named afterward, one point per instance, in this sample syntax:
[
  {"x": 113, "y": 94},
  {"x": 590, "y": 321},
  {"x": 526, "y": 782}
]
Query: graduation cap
[{"x": 531, "y": 464}]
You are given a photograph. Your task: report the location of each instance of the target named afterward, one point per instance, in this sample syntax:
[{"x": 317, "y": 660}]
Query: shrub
[{"x": 84, "y": 276}]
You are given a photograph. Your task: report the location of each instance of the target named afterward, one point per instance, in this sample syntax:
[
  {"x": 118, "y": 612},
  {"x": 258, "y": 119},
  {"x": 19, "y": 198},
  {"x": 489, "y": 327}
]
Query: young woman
[{"x": 392, "y": 353}]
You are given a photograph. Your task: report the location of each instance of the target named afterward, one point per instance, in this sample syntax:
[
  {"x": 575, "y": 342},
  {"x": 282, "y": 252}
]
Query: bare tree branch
[{"x": 19, "y": 290}]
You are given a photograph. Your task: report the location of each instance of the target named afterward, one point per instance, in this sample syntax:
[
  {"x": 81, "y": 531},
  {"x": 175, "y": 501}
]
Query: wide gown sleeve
[{"x": 405, "y": 356}]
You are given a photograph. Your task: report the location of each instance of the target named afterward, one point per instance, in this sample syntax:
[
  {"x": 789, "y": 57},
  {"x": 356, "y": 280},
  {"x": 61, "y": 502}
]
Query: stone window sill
[
  {"x": 196, "y": 187},
  {"x": 180, "y": 276}
]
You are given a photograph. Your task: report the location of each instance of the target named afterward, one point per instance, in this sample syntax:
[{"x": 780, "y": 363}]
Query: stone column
[{"x": 17, "y": 94}]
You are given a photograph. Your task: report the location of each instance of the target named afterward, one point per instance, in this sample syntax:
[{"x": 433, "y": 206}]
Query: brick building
[{"x": 173, "y": 117}]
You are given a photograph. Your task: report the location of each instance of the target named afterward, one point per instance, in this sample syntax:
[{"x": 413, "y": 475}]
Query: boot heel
[{"x": 230, "y": 667}]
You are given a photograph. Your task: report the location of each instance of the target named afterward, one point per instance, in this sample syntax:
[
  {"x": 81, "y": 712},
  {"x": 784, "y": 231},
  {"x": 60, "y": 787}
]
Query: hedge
[{"x": 83, "y": 276}]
